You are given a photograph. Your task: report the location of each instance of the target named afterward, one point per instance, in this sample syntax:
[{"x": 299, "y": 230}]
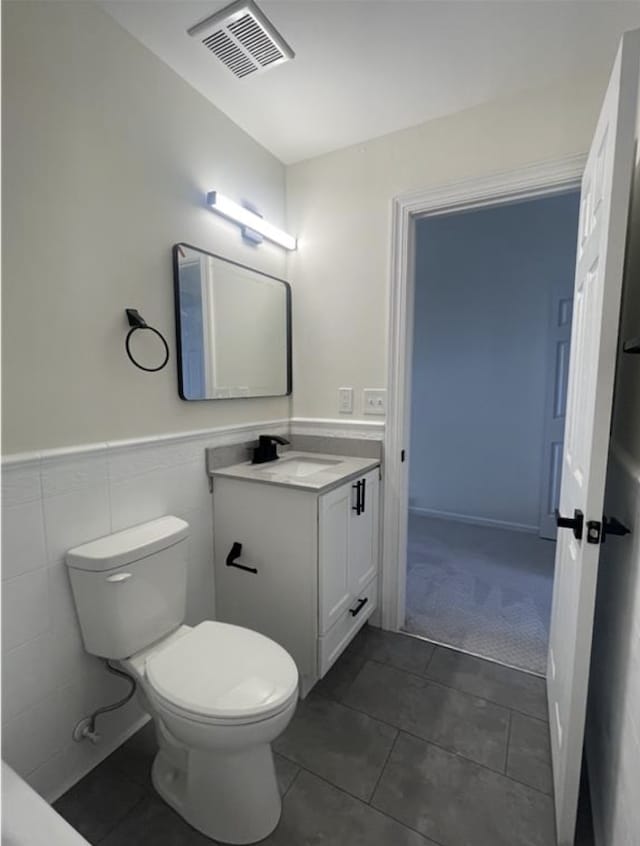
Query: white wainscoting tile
[
  {"x": 68, "y": 655},
  {"x": 76, "y": 702},
  {"x": 128, "y": 462},
  {"x": 64, "y": 474},
  {"x": 74, "y": 518},
  {"x": 139, "y": 499},
  {"x": 51, "y": 502},
  {"x": 170, "y": 490},
  {"x": 28, "y": 675},
  {"x": 48, "y": 777},
  {"x": 103, "y": 686},
  {"x": 57, "y": 775},
  {"x": 82, "y": 757},
  {"x": 61, "y": 604},
  {"x": 34, "y": 736},
  {"x": 20, "y": 483},
  {"x": 25, "y": 609},
  {"x": 23, "y": 544}
]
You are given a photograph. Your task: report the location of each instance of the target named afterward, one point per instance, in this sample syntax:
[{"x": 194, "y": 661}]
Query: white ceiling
[{"x": 364, "y": 68}]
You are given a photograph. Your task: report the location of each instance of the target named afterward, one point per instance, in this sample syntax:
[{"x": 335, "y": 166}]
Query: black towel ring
[{"x": 136, "y": 321}]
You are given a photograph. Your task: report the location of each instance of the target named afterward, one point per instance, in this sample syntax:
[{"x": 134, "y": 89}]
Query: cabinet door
[
  {"x": 363, "y": 535},
  {"x": 333, "y": 577}
]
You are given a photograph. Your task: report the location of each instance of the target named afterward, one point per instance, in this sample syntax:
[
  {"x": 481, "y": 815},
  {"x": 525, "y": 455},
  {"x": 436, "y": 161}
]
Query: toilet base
[{"x": 232, "y": 797}]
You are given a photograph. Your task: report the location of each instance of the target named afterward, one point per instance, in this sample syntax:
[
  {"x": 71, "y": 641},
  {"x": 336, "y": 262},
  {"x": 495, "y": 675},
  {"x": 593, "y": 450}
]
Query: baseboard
[
  {"x": 108, "y": 749},
  {"x": 475, "y": 521}
]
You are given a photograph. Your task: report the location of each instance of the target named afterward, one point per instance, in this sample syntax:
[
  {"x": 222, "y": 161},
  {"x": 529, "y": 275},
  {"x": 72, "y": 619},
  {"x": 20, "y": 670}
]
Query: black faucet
[{"x": 266, "y": 449}]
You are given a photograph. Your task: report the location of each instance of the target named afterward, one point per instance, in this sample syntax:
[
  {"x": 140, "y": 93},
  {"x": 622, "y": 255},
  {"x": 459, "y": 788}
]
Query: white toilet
[{"x": 219, "y": 694}]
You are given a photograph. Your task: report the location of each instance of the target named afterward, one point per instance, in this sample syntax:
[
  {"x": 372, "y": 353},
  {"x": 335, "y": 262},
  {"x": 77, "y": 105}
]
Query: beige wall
[
  {"x": 106, "y": 158},
  {"x": 339, "y": 205}
]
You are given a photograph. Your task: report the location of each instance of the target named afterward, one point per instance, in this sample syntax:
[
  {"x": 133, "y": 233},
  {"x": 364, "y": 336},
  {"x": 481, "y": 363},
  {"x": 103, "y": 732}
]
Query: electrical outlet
[
  {"x": 374, "y": 401},
  {"x": 345, "y": 400}
]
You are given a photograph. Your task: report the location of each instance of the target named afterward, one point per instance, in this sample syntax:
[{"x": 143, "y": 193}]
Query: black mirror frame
[{"x": 176, "y": 301}]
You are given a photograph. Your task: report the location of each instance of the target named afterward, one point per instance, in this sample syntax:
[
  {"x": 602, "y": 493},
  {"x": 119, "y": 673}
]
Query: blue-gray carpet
[{"x": 482, "y": 590}]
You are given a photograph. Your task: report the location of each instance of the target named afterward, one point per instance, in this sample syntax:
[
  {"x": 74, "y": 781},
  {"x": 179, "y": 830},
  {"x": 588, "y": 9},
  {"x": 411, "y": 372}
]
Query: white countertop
[{"x": 274, "y": 472}]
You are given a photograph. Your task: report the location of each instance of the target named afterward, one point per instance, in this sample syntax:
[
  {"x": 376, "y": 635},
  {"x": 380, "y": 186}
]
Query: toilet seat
[{"x": 223, "y": 674}]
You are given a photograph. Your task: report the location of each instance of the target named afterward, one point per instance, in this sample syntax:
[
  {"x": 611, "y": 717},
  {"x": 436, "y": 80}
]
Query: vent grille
[
  {"x": 254, "y": 39},
  {"x": 243, "y": 39},
  {"x": 226, "y": 50}
]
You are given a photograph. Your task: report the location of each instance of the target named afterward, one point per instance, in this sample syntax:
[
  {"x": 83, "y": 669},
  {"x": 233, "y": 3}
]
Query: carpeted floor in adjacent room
[{"x": 479, "y": 589}]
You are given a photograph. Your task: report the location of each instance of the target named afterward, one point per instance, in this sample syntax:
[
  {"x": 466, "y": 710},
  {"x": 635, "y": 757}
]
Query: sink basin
[
  {"x": 298, "y": 468},
  {"x": 305, "y": 471}
]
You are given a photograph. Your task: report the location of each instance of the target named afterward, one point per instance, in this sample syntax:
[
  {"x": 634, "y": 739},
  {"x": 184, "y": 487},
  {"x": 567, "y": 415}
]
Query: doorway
[
  {"x": 547, "y": 179},
  {"x": 491, "y": 334}
]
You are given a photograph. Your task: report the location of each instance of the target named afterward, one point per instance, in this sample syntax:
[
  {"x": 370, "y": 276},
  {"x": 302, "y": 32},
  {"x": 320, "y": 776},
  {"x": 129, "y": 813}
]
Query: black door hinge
[
  {"x": 574, "y": 523},
  {"x": 597, "y": 532},
  {"x": 402, "y": 455},
  {"x": 594, "y": 531},
  {"x": 613, "y": 526}
]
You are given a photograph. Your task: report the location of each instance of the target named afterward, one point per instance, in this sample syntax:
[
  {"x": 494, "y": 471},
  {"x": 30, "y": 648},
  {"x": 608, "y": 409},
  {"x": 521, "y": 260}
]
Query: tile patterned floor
[{"x": 402, "y": 744}]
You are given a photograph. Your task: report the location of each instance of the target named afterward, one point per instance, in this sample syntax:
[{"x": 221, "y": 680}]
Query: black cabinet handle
[
  {"x": 576, "y": 523},
  {"x": 234, "y": 554},
  {"x": 361, "y": 492},
  {"x": 361, "y": 603},
  {"x": 358, "y": 506}
]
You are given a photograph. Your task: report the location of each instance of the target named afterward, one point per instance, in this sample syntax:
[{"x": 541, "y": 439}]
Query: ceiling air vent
[{"x": 243, "y": 39}]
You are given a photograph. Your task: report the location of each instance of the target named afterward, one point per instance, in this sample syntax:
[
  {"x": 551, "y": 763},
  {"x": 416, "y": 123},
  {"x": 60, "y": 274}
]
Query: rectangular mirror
[{"x": 233, "y": 328}]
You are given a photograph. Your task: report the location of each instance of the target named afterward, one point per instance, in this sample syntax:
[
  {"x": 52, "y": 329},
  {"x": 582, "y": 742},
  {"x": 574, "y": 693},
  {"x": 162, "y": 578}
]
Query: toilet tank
[{"x": 130, "y": 587}]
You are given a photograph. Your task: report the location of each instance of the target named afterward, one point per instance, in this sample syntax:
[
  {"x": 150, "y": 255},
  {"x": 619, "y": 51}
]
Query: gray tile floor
[{"x": 402, "y": 744}]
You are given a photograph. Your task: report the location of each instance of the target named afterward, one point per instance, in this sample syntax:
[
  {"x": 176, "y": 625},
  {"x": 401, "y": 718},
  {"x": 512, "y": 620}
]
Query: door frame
[{"x": 542, "y": 179}]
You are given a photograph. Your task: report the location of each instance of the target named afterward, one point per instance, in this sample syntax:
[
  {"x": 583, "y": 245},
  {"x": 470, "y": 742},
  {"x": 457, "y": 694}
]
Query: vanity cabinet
[{"x": 306, "y": 572}]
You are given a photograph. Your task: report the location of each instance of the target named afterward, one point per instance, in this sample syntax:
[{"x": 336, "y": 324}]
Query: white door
[
  {"x": 559, "y": 345},
  {"x": 600, "y": 256}
]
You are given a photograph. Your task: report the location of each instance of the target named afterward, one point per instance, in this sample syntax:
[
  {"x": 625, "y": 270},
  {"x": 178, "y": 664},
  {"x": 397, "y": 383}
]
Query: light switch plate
[
  {"x": 345, "y": 400},
  {"x": 374, "y": 401}
]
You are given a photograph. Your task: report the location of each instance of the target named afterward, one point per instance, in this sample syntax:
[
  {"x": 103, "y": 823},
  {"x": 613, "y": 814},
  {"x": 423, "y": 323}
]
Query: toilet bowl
[{"x": 218, "y": 694}]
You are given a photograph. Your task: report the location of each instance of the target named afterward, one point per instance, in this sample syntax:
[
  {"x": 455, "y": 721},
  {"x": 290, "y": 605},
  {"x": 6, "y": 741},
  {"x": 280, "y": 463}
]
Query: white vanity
[{"x": 296, "y": 552}]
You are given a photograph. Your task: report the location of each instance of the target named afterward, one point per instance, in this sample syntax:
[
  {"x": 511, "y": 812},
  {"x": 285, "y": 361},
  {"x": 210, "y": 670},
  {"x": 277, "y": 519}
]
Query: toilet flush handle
[{"x": 119, "y": 577}]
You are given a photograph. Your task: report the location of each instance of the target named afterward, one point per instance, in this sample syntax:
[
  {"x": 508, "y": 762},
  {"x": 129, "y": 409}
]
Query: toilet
[{"x": 219, "y": 694}]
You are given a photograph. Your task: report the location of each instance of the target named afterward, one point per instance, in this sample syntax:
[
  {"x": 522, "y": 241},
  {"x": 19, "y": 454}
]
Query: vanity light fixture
[{"x": 227, "y": 208}]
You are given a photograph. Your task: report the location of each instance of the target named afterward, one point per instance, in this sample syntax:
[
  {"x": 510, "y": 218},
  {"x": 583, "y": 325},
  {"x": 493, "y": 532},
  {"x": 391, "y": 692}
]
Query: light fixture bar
[{"x": 227, "y": 208}]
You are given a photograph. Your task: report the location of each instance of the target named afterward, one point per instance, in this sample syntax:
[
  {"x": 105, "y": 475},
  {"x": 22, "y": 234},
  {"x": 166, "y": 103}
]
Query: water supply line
[{"x": 86, "y": 728}]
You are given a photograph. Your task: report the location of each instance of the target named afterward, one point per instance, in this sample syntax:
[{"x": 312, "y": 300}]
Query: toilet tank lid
[{"x": 120, "y": 548}]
